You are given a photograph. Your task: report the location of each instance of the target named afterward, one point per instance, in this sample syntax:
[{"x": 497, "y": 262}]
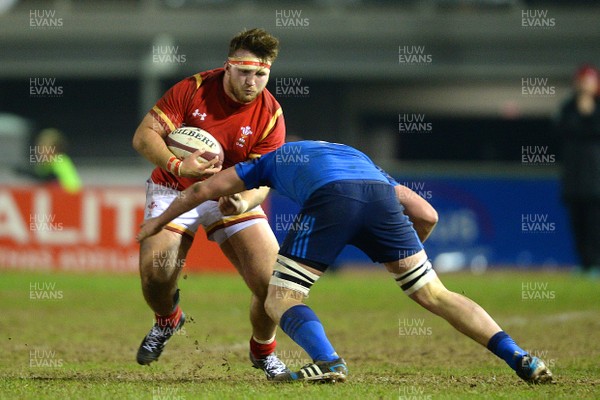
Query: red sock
[
  {"x": 170, "y": 320},
  {"x": 261, "y": 350}
]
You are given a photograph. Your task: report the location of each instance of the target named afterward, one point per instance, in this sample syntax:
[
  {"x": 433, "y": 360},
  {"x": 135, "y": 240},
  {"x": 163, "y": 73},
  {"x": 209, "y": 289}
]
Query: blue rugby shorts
[{"x": 365, "y": 214}]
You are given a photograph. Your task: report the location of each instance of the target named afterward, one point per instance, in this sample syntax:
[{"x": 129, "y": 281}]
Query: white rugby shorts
[{"x": 218, "y": 227}]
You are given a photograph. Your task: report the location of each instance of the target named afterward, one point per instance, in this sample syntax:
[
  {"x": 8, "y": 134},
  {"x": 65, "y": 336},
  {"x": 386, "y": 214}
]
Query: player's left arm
[
  {"x": 418, "y": 210},
  {"x": 224, "y": 183}
]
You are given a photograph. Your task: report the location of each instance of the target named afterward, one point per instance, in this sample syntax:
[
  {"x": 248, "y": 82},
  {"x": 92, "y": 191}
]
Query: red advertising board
[{"x": 43, "y": 227}]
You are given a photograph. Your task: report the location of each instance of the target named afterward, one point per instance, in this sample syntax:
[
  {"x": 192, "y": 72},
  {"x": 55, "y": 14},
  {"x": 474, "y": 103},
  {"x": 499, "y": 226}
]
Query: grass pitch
[{"x": 71, "y": 336}]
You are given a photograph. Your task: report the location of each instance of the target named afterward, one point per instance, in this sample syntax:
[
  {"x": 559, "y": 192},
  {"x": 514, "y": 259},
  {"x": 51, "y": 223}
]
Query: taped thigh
[
  {"x": 289, "y": 274},
  {"x": 415, "y": 278}
]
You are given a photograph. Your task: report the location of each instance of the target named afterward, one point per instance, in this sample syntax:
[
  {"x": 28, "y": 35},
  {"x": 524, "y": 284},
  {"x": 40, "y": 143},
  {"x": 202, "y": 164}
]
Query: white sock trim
[{"x": 268, "y": 341}]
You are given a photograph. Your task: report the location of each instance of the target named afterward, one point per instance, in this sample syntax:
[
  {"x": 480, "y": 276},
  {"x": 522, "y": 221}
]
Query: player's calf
[
  {"x": 421, "y": 283},
  {"x": 161, "y": 260}
]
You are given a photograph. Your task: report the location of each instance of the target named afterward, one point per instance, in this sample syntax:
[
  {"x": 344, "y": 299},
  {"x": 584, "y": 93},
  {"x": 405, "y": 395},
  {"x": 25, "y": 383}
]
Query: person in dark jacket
[{"x": 579, "y": 128}]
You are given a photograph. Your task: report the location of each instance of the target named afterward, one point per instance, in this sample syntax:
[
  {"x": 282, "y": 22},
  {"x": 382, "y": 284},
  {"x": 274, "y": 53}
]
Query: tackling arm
[{"x": 222, "y": 184}]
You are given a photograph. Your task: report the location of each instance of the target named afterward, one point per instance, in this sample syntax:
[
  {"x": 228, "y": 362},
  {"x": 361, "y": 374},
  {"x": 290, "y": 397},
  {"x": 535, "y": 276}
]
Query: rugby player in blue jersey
[{"x": 345, "y": 199}]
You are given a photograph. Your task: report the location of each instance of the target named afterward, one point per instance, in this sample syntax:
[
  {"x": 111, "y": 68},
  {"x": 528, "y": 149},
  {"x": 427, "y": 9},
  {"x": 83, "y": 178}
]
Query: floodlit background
[{"x": 455, "y": 98}]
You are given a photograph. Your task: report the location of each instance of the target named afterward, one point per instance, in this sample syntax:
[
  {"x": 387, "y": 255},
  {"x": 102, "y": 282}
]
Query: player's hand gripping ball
[{"x": 186, "y": 140}]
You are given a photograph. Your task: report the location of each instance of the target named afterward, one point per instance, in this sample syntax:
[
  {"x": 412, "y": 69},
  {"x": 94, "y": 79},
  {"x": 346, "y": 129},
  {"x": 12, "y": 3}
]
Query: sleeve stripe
[
  {"x": 269, "y": 127},
  {"x": 198, "y": 78},
  {"x": 254, "y": 155},
  {"x": 164, "y": 118}
]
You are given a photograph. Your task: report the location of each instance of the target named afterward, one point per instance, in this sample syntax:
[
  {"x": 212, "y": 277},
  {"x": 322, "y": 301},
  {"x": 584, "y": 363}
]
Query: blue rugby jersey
[{"x": 297, "y": 169}]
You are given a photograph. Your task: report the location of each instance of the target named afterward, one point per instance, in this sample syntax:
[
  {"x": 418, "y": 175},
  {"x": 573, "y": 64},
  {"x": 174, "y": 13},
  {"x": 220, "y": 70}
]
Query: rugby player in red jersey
[{"x": 233, "y": 105}]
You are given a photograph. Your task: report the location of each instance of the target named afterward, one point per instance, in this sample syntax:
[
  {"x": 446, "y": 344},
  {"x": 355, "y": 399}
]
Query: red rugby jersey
[{"x": 244, "y": 130}]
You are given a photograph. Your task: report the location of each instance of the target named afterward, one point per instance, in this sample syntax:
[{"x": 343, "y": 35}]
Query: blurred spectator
[
  {"x": 579, "y": 128},
  {"x": 50, "y": 163}
]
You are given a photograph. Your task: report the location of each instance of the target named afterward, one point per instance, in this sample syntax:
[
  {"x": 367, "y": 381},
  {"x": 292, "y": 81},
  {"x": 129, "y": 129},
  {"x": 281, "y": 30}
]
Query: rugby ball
[{"x": 186, "y": 140}]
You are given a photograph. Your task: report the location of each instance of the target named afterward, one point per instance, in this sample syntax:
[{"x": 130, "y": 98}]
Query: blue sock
[
  {"x": 302, "y": 325},
  {"x": 502, "y": 345}
]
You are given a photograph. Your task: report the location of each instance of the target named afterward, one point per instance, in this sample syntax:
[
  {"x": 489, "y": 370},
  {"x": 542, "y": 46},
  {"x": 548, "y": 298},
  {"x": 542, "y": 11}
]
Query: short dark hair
[{"x": 257, "y": 41}]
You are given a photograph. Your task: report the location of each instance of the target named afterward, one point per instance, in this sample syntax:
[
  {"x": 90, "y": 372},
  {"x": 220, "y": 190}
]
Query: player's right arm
[{"x": 149, "y": 141}]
